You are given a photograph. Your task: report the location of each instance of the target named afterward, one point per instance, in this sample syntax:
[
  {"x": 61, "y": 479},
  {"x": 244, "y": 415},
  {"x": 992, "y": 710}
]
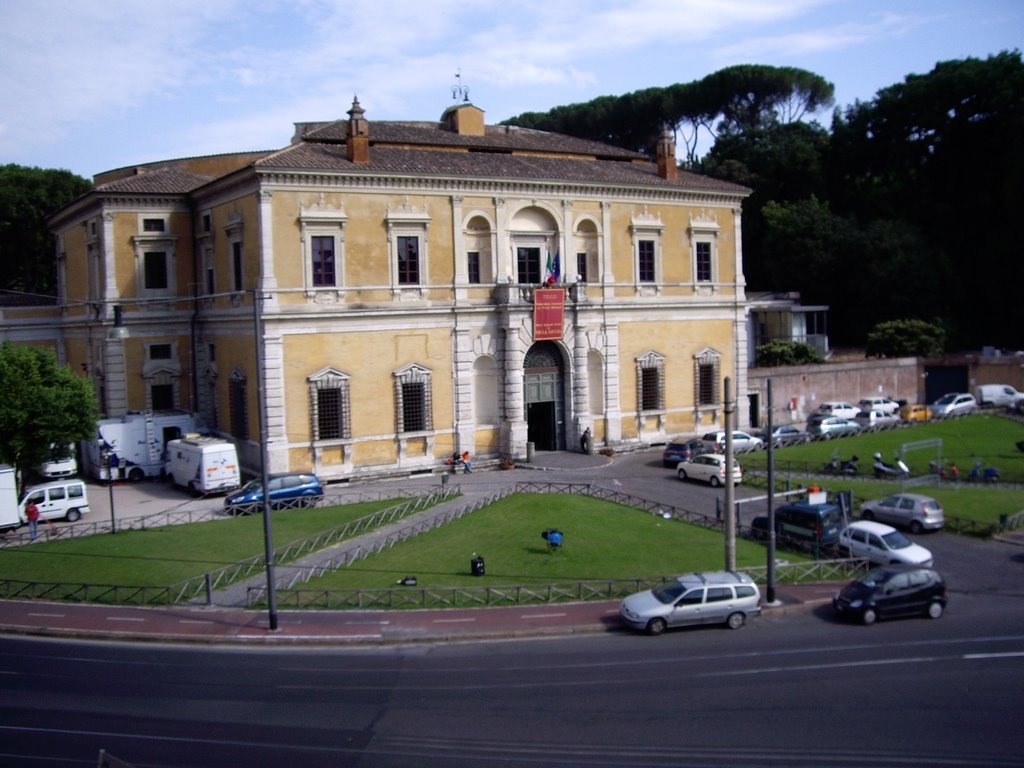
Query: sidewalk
[{"x": 227, "y": 621}]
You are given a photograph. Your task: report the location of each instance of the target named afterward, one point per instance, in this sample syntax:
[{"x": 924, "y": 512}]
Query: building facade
[{"x": 367, "y": 300}]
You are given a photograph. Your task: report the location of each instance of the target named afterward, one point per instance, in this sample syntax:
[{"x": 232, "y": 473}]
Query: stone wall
[{"x": 798, "y": 391}]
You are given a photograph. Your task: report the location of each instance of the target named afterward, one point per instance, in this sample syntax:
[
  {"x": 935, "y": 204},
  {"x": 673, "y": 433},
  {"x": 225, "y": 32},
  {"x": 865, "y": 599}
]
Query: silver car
[
  {"x": 721, "y": 597},
  {"x": 910, "y": 510}
]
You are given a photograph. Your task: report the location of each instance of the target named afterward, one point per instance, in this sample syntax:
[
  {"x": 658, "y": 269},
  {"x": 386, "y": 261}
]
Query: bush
[
  {"x": 905, "y": 338},
  {"x": 778, "y": 352}
]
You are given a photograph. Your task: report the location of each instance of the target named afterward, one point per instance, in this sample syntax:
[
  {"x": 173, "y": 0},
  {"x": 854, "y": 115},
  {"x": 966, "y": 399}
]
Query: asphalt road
[
  {"x": 796, "y": 690},
  {"x": 791, "y": 689}
]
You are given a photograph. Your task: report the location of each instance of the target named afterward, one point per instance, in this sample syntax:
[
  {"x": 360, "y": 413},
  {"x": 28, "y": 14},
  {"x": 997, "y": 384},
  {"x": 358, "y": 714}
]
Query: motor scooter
[
  {"x": 988, "y": 474},
  {"x": 840, "y": 466},
  {"x": 883, "y": 469}
]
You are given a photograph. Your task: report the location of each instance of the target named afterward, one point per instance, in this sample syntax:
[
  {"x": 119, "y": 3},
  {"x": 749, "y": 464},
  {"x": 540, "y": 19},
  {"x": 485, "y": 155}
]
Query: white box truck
[
  {"x": 203, "y": 464},
  {"x": 9, "y": 517},
  {"x": 132, "y": 447}
]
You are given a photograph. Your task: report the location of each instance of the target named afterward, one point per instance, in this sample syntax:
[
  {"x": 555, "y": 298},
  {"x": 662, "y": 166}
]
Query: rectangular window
[
  {"x": 414, "y": 407},
  {"x": 206, "y": 222},
  {"x": 323, "y": 261},
  {"x": 155, "y": 271},
  {"x": 152, "y": 225},
  {"x": 704, "y": 262},
  {"x": 160, "y": 351},
  {"x": 239, "y": 410},
  {"x": 473, "y": 267},
  {"x": 707, "y": 384},
  {"x": 650, "y": 389},
  {"x": 528, "y": 265},
  {"x": 408, "y": 260},
  {"x": 581, "y": 266},
  {"x": 211, "y": 283},
  {"x": 236, "y": 264},
  {"x": 645, "y": 261},
  {"x": 330, "y": 414}
]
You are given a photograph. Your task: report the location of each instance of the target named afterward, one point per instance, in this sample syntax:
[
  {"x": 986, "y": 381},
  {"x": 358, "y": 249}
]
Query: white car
[
  {"x": 882, "y": 545},
  {"x": 875, "y": 419},
  {"x": 884, "y": 404},
  {"x": 954, "y": 404},
  {"x": 710, "y": 468},
  {"x": 839, "y": 408},
  {"x": 741, "y": 441}
]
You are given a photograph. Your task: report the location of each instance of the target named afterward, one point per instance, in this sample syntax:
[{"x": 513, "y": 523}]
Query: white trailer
[
  {"x": 132, "y": 447},
  {"x": 203, "y": 465},
  {"x": 9, "y": 517}
]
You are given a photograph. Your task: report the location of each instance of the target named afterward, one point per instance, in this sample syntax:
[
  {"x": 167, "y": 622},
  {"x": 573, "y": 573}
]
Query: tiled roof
[
  {"x": 407, "y": 152},
  {"x": 167, "y": 180},
  {"x": 496, "y": 137}
]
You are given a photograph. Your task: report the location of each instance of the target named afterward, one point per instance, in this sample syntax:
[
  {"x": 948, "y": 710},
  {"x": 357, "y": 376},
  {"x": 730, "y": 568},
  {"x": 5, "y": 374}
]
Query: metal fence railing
[{"x": 533, "y": 594}]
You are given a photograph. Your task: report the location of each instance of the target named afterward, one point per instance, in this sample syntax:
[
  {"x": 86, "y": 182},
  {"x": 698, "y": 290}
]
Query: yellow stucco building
[{"x": 374, "y": 285}]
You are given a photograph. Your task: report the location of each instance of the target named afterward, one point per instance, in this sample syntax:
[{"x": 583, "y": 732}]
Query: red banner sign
[{"x": 548, "y": 313}]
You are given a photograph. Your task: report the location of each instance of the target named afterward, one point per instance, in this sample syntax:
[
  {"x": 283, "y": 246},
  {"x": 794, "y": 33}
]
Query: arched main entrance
[{"x": 544, "y": 390}]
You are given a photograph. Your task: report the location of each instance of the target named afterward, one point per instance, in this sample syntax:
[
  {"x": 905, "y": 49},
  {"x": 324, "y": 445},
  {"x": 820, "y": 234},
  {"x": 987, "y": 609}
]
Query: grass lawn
[
  {"x": 603, "y": 540},
  {"x": 988, "y": 438},
  {"x": 980, "y": 504},
  {"x": 173, "y": 553}
]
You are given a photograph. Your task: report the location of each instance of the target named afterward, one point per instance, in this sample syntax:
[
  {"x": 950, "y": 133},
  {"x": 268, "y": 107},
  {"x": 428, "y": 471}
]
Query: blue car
[{"x": 287, "y": 491}]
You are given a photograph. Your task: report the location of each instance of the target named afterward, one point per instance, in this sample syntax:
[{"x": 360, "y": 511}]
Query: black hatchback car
[{"x": 893, "y": 591}]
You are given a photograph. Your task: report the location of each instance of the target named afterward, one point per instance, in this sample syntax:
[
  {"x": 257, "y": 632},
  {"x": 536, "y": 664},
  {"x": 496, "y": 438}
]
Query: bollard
[{"x": 529, "y": 452}]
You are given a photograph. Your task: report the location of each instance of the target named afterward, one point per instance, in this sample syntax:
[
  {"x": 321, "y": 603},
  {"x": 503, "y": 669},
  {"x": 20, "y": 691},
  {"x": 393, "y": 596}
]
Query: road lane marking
[
  {"x": 49, "y": 615},
  {"x": 124, "y": 618},
  {"x": 542, "y": 615},
  {"x": 1007, "y": 655},
  {"x": 453, "y": 621}
]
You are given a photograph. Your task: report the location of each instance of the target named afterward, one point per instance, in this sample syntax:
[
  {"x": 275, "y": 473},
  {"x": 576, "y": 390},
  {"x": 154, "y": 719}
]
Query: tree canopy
[
  {"x": 44, "y": 405},
  {"x": 27, "y": 197}
]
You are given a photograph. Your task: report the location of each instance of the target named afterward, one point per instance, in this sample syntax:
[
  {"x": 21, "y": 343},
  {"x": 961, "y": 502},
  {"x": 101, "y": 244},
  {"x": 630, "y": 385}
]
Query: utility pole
[
  {"x": 770, "y": 591},
  {"x": 730, "y": 493}
]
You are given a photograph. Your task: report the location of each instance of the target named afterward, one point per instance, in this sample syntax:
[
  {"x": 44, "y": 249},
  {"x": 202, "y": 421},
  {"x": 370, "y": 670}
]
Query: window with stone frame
[
  {"x": 702, "y": 250},
  {"x": 330, "y": 405},
  {"x": 473, "y": 267},
  {"x": 323, "y": 265},
  {"x": 650, "y": 382},
  {"x": 413, "y": 400},
  {"x": 706, "y": 377},
  {"x": 647, "y": 231}
]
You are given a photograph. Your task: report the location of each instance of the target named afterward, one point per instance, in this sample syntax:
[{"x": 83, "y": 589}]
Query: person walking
[{"x": 32, "y": 516}]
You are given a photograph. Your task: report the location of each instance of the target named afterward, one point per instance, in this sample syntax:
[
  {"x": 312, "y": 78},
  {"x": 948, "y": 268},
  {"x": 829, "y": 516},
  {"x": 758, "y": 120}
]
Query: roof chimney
[
  {"x": 668, "y": 169},
  {"x": 357, "y": 145}
]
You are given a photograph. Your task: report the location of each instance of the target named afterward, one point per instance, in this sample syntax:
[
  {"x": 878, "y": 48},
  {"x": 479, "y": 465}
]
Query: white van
[
  {"x": 62, "y": 462},
  {"x": 999, "y": 394},
  {"x": 203, "y": 464},
  {"x": 57, "y": 500}
]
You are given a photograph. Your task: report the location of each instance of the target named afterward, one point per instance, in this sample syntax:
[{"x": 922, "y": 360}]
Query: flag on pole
[{"x": 553, "y": 269}]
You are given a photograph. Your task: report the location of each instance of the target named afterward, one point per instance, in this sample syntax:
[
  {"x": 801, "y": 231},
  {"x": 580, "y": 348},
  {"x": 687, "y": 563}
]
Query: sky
[{"x": 94, "y": 85}]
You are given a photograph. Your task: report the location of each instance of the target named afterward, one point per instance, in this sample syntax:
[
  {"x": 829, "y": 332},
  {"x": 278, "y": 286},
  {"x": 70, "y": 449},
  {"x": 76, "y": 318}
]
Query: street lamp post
[
  {"x": 268, "y": 539},
  {"x": 107, "y": 456}
]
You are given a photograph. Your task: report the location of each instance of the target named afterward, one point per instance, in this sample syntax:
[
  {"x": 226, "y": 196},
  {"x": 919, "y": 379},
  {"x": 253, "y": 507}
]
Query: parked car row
[{"x": 729, "y": 598}]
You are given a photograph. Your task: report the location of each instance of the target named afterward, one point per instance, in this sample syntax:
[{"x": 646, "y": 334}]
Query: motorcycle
[
  {"x": 883, "y": 469},
  {"x": 952, "y": 472},
  {"x": 978, "y": 474},
  {"x": 840, "y": 466}
]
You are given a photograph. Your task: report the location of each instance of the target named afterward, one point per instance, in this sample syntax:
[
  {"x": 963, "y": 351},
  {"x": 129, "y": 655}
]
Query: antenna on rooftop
[{"x": 458, "y": 89}]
